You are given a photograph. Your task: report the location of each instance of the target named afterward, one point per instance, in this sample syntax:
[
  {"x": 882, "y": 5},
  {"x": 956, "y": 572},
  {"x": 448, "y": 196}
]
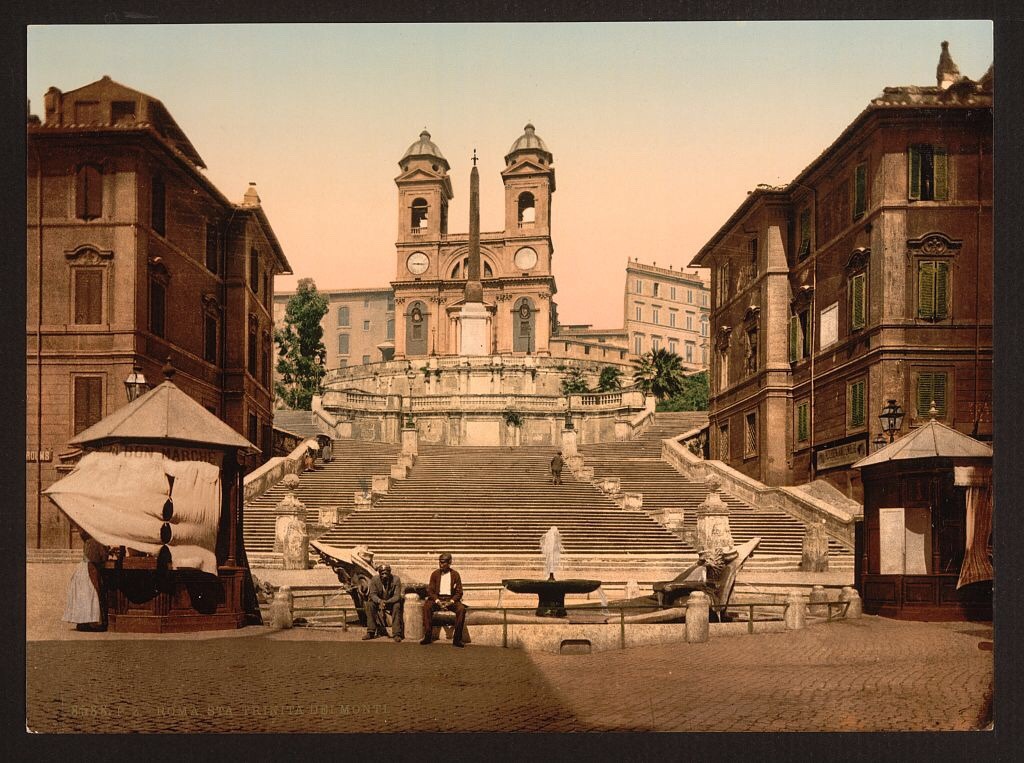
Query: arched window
[
  {"x": 416, "y": 328},
  {"x": 461, "y": 269},
  {"x": 524, "y": 326},
  {"x": 527, "y": 208},
  {"x": 419, "y": 214}
]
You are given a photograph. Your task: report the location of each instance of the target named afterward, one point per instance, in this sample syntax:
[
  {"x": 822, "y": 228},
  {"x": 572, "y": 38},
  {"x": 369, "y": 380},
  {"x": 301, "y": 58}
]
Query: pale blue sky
[{"x": 658, "y": 130}]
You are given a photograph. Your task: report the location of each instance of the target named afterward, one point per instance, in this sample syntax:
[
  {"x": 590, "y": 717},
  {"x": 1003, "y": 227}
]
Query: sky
[{"x": 658, "y": 130}]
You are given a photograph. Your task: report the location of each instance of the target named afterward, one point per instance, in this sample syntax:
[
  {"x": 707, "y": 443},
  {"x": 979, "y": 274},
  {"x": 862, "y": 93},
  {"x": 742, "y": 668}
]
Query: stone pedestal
[
  {"x": 569, "y": 443},
  {"x": 698, "y": 606},
  {"x": 633, "y": 501},
  {"x": 291, "y": 539},
  {"x": 407, "y": 461},
  {"x": 818, "y": 596},
  {"x": 796, "y": 612},
  {"x": 474, "y": 334},
  {"x": 713, "y": 519},
  {"x": 380, "y": 484},
  {"x": 672, "y": 519},
  {"x": 412, "y": 616},
  {"x": 410, "y": 441},
  {"x": 815, "y": 549},
  {"x": 362, "y": 499},
  {"x": 855, "y": 608},
  {"x": 281, "y": 608},
  {"x": 398, "y": 472},
  {"x": 575, "y": 463},
  {"x": 611, "y": 486},
  {"x": 585, "y": 474}
]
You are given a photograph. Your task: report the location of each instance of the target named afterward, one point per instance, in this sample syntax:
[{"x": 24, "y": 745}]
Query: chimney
[
  {"x": 947, "y": 71},
  {"x": 251, "y": 197},
  {"x": 51, "y": 105}
]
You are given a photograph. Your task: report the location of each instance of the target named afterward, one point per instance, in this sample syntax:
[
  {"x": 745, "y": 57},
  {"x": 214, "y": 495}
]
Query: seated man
[
  {"x": 384, "y": 595},
  {"x": 444, "y": 592}
]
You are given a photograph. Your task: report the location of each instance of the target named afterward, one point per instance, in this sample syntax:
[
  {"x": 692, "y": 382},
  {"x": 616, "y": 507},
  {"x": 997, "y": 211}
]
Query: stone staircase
[
  {"x": 297, "y": 422},
  {"x": 640, "y": 469},
  {"x": 333, "y": 484},
  {"x": 487, "y": 500}
]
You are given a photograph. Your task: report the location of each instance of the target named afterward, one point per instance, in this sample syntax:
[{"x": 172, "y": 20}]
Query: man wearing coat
[
  {"x": 384, "y": 595},
  {"x": 444, "y": 592}
]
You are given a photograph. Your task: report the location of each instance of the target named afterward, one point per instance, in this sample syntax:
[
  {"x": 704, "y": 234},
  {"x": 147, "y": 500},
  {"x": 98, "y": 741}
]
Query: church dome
[
  {"x": 529, "y": 141},
  {"x": 424, "y": 148}
]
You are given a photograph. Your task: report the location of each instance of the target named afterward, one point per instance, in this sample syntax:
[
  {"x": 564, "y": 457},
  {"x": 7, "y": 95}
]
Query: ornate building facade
[
  {"x": 867, "y": 279},
  {"x": 135, "y": 258}
]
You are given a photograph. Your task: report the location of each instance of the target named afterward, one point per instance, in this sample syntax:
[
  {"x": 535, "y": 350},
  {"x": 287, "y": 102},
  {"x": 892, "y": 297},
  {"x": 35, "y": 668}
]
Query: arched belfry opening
[
  {"x": 527, "y": 213},
  {"x": 416, "y": 329},
  {"x": 419, "y": 214},
  {"x": 460, "y": 269},
  {"x": 524, "y": 322}
]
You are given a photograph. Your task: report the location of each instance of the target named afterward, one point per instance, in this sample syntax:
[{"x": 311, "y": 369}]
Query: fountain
[{"x": 551, "y": 592}]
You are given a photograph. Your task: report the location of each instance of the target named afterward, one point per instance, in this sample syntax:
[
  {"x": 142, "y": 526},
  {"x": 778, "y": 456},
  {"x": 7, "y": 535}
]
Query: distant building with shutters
[
  {"x": 867, "y": 278},
  {"x": 133, "y": 256}
]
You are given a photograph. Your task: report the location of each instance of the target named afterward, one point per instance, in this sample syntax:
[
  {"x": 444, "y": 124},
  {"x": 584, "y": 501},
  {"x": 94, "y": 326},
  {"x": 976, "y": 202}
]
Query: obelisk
[{"x": 473, "y": 315}]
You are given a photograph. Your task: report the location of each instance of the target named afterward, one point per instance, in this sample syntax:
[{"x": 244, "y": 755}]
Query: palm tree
[
  {"x": 610, "y": 379},
  {"x": 659, "y": 373}
]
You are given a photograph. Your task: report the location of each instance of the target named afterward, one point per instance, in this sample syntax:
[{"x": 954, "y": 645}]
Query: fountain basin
[{"x": 550, "y": 593}]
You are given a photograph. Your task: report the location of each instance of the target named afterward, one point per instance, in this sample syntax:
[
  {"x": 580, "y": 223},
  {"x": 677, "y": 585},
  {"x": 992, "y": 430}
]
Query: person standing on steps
[
  {"x": 444, "y": 592},
  {"x": 384, "y": 596},
  {"x": 556, "y": 468}
]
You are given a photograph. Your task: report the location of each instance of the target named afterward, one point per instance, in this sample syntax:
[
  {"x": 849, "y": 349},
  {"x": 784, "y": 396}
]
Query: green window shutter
[
  {"x": 794, "y": 329},
  {"x": 939, "y": 393},
  {"x": 925, "y": 289},
  {"x": 941, "y": 290},
  {"x": 858, "y": 317},
  {"x": 860, "y": 183},
  {"x": 857, "y": 404},
  {"x": 941, "y": 169},
  {"x": 805, "y": 233},
  {"x": 802, "y": 422},
  {"x": 914, "y": 165}
]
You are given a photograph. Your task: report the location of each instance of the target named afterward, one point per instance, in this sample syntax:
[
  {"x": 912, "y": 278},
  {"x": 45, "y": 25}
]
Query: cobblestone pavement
[{"x": 869, "y": 674}]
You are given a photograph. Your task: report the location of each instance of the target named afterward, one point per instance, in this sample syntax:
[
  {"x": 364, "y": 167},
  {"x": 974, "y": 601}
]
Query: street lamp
[
  {"x": 891, "y": 418},
  {"x": 135, "y": 384}
]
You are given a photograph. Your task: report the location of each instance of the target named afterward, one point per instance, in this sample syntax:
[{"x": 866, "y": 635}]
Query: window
[
  {"x": 265, "y": 360},
  {"x": 211, "y": 247},
  {"x": 343, "y": 344},
  {"x": 88, "y": 295},
  {"x": 122, "y": 112},
  {"x": 704, "y": 299},
  {"x": 929, "y": 173},
  {"x": 638, "y": 345},
  {"x": 750, "y": 360},
  {"x": 752, "y": 250},
  {"x": 253, "y": 352},
  {"x": 210, "y": 339},
  {"x": 931, "y": 386},
  {"x": 254, "y": 270},
  {"x": 750, "y": 434},
  {"x": 722, "y": 293},
  {"x": 419, "y": 214},
  {"x": 671, "y": 292},
  {"x": 804, "y": 247},
  {"x": 158, "y": 207},
  {"x": 88, "y": 402},
  {"x": 655, "y": 315},
  {"x": 527, "y": 208},
  {"x": 366, "y": 360},
  {"x": 689, "y": 322},
  {"x": 343, "y": 316},
  {"x": 254, "y": 428},
  {"x": 639, "y": 313},
  {"x": 803, "y": 421},
  {"x": 799, "y": 336},
  {"x": 860, "y": 190},
  {"x": 157, "y": 306},
  {"x": 88, "y": 192},
  {"x": 391, "y": 303},
  {"x": 366, "y": 301},
  {"x": 689, "y": 352},
  {"x": 855, "y": 395},
  {"x": 673, "y": 346},
  {"x": 639, "y": 286},
  {"x": 704, "y": 355},
  {"x": 723, "y": 442},
  {"x": 723, "y": 367},
  {"x": 366, "y": 325},
  {"x": 342, "y": 363},
  {"x": 657, "y": 289},
  {"x": 932, "y": 289},
  {"x": 689, "y": 296},
  {"x": 858, "y": 301},
  {"x": 672, "y": 318},
  {"x": 655, "y": 343},
  {"x": 703, "y": 325},
  {"x": 390, "y": 328}
]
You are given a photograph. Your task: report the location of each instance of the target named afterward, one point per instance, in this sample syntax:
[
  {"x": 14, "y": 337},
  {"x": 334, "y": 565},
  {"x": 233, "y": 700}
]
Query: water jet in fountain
[{"x": 551, "y": 593}]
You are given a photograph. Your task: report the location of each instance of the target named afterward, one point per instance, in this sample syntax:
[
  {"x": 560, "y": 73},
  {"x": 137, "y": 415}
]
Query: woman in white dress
[{"x": 84, "y": 607}]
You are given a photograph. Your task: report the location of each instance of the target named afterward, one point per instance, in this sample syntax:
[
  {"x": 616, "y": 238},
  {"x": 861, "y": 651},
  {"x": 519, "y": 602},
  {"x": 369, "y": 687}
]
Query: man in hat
[
  {"x": 557, "y": 462},
  {"x": 384, "y": 596},
  {"x": 444, "y": 592}
]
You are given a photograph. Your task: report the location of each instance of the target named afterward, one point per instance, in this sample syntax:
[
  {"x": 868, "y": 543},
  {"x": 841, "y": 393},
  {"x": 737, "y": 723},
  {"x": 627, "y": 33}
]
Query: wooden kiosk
[
  {"x": 142, "y": 594},
  {"x": 924, "y": 548}
]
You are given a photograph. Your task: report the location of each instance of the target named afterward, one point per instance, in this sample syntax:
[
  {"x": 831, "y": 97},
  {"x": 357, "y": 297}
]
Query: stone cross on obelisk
[{"x": 473, "y": 316}]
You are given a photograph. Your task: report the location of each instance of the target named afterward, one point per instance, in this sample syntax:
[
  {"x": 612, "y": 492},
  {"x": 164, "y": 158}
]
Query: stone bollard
[
  {"x": 796, "y": 612},
  {"x": 281, "y": 608},
  {"x": 410, "y": 441},
  {"x": 362, "y": 498},
  {"x": 412, "y": 616},
  {"x": 585, "y": 474},
  {"x": 855, "y": 608},
  {"x": 611, "y": 485},
  {"x": 633, "y": 501},
  {"x": 698, "y": 606},
  {"x": 818, "y": 595},
  {"x": 815, "y": 549},
  {"x": 632, "y": 589},
  {"x": 380, "y": 483},
  {"x": 398, "y": 472},
  {"x": 568, "y": 443},
  {"x": 407, "y": 461}
]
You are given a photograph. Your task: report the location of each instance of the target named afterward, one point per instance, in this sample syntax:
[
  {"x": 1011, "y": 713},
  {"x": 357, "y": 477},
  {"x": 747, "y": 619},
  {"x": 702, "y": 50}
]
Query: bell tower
[
  {"x": 424, "y": 190},
  {"x": 529, "y": 182}
]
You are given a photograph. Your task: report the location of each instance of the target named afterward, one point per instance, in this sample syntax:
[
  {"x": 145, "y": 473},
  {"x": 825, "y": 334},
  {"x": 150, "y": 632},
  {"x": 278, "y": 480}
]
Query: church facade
[{"x": 515, "y": 263}]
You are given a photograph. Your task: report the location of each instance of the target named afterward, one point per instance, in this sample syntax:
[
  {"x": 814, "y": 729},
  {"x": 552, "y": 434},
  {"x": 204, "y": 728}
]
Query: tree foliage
[
  {"x": 693, "y": 396},
  {"x": 574, "y": 383},
  {"x": 659, "y": 373},
  {"x": 610, "y": 379},
  {"x": 301, "y": 351}
]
